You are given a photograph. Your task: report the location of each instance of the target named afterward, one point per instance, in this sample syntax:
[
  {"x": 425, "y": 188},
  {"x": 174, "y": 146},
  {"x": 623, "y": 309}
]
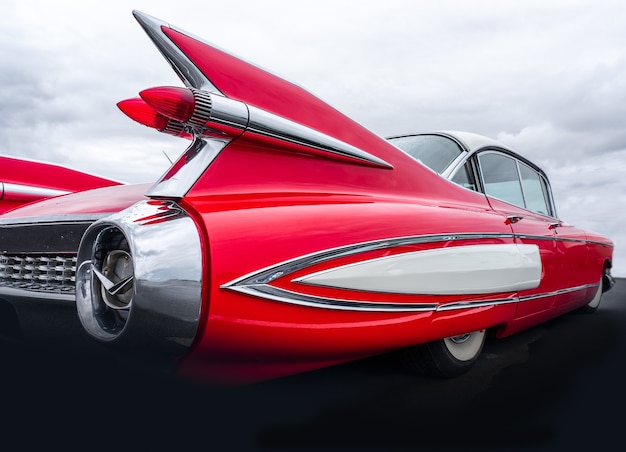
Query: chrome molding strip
[
  {"x": 258, "y": 283},
  {"x": 558, "y": 292},
  {"x": 270, "y": 125},
  {"x": 28, "y": 191},
  {"x": 286, "y": 296},
  {"x": 268, "y": 274},
  {"x": 53, "y": 219},
  {"x": 562, "y": 239},
  {"x": 476, "y": 304},
  {"x": 184, "y": 68}
]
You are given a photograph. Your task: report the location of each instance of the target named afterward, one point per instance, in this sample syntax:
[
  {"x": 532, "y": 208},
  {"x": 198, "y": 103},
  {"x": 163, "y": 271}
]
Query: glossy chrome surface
[
  {"x": 559, "y": 292},
  {"x": 179, "y": 179},
  {"x": 218, "y": 110},
  {"x": 38, "y": 258},
  {"x": 18, "y": 191},
  {"x": 469, "y": 304},
  {"x": 281, "y": 295},
  {"x": 607, "y": 280},
  {"x": 185, "y": 69},
  {"x": 86, "y": 218},
  {"x": 271, "y": 125},
  {"x": 277, "y": 294},
  {"x": 39, "y": 272},
  {"x": 116, "y": 279},
  {"x": 139, "y": 277}
]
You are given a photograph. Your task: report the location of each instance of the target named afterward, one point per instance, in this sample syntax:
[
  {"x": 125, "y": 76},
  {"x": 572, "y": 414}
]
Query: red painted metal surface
[
  {"x": 31, "y": 175},
  {"x": 263, "y": 214},
  {"x": 240, "y": 330},
  {"x": 100, "y": 200}
]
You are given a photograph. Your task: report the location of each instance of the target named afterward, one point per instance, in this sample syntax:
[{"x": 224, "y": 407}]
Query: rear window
[{"x": 434, "y": 151}]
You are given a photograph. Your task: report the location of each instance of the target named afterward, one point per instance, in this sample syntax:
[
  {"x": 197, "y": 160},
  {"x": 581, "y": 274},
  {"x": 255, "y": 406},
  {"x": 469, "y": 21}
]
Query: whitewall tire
[{"x": 446, "y": 358}]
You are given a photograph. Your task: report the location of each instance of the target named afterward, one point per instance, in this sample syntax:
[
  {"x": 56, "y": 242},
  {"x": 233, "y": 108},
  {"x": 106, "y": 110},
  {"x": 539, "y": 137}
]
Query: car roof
[{"x": 473, "y": 141}]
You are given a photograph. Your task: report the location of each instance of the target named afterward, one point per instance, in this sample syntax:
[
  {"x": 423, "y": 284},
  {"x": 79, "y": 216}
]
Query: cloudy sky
[{"x": 547, "y": 78}]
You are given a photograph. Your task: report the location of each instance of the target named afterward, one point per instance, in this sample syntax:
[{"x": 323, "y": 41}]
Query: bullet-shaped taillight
[
  {"x": 198, "y": 113},
  {"x": 174, "y": 102},
  {"x": 138, "y": 110}
]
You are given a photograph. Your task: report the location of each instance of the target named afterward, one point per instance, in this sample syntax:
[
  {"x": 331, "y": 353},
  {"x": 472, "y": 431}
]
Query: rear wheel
[
  {"x": 592, "y": 306},
  {"x": 446, "y": 358}
]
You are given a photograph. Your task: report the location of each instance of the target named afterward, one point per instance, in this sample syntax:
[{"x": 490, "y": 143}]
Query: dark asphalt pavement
[{"x": 557, "y": 386}]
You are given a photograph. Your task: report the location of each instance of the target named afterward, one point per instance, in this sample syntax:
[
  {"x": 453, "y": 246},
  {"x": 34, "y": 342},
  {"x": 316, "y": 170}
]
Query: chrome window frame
[{"x": 518, "y": 160}]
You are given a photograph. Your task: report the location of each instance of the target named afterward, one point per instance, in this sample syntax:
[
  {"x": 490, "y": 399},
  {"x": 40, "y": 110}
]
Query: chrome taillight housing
[{"x": 139, "y": 277}]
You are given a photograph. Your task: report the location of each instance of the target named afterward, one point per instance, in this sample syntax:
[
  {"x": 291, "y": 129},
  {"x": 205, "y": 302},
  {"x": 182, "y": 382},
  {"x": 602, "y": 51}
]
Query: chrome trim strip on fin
[
  {"x": 179, "y": 179},
  {"x": 184, "y": 68},
  {"x": 271, "y": 125}
]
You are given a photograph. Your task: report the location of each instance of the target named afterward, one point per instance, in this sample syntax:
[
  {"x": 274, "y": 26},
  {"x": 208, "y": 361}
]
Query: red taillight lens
[
  {"x": 138, "y": 110},
  {"x": 173, "y": 102}
]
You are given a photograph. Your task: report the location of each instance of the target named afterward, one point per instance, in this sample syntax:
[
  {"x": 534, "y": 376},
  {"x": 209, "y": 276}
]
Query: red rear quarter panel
[{"x": 257, "y": 232}]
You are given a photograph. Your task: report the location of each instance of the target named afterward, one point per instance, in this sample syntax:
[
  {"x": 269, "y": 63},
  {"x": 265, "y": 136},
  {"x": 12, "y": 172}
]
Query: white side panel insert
[{"x": 456, "y": 270}]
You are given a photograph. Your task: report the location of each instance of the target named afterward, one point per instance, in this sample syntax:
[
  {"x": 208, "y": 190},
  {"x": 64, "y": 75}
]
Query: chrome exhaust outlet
[{"x": 139, "y": 278}]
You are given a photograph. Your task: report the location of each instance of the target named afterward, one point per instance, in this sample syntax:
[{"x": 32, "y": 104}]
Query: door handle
[{"x": 511, "y": 219}]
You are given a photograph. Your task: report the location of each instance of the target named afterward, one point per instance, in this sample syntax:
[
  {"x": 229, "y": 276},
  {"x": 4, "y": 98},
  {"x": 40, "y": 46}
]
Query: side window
[
  {"x": 465, "y": 177},
  {"x": 535, "y": 190},
  {"x": 501, "y": 178},
  {"x": 513, "y": 181}
]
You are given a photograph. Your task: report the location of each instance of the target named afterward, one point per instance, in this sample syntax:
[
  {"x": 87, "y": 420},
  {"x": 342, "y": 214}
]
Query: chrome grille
[{"x": 45, "y": 273}]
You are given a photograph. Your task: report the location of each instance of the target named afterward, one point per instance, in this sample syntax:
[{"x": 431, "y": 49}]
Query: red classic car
[{"x": 287, "y": 237}]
